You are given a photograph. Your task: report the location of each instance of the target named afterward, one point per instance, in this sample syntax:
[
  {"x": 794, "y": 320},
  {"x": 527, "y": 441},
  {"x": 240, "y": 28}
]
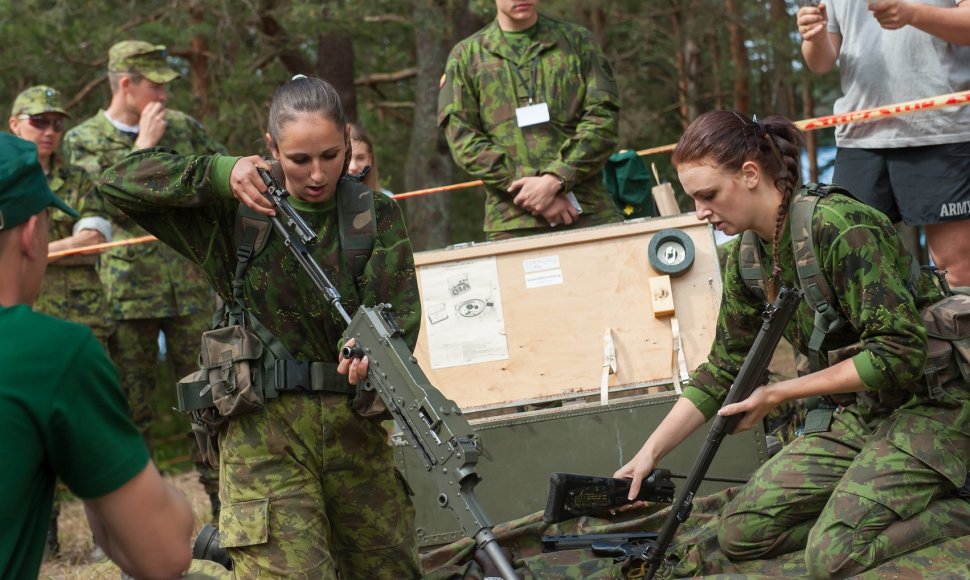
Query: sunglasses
[{"x": 41, "y": 123}]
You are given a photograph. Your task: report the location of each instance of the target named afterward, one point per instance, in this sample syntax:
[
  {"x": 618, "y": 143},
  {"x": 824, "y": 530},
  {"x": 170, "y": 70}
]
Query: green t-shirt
[{"x": 62, "y": 414}]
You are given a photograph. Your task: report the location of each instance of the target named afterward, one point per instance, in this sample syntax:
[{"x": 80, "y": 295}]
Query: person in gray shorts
[{"x": 916, "y": 167}]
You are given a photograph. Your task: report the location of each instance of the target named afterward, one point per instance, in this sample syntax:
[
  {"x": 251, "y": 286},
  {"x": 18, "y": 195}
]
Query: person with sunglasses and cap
[
  {"x": 150, "y": 288},
  {"x": 73, "y": 289},
  {"x": 62, "y": 410}
]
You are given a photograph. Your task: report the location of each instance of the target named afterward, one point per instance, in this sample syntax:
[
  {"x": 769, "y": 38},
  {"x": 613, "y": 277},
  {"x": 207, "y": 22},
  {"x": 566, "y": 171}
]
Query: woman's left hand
[
  {"x": 354, "y": 368},
  {"x": 755, "y": 408}
]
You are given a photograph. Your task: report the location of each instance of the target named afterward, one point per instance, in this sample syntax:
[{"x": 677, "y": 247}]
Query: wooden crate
[{"x": 550, "y": 300}]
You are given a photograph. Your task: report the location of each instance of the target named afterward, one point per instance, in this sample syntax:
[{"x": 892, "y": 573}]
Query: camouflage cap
[
  {"x": 23, "y": 186},
  {"x": 148, "y": 60},
  {"x": 37, "y": 100}
]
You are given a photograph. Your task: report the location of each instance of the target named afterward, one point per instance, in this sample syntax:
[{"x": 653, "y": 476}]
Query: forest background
[{"x": 673, "y": 60}]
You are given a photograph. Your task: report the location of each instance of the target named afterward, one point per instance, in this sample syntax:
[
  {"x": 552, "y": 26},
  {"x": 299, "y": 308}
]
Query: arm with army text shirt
[
  {"x": 458, "y": 114},
  {"x": 586, "y": 151}
]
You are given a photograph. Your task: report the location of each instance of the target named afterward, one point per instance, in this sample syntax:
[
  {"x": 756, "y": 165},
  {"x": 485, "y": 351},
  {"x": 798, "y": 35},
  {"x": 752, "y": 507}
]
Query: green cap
[
  {"x": 148, "y": 60},
  {"x": 23, "y": 187},
  {"x": 37, "y": 100}
]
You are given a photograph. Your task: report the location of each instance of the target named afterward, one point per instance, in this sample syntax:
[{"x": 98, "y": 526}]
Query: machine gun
[
  {"x": 433, "y": 425},
  {"x": 751, "y": 375}
]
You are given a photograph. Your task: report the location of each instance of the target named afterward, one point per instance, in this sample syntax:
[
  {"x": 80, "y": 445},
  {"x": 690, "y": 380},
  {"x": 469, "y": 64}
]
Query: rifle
[
  {"x": 751, "y": 375},
  {"x": 618, "y": 545},
  {"x": 433, "y": 425},
  {"x": 573, "y": 495}
]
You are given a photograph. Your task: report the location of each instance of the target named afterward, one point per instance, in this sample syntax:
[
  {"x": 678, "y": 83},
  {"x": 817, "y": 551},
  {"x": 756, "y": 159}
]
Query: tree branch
[
  {"x": 391, "y": 77},
  {"x": 381, "y": 18}
]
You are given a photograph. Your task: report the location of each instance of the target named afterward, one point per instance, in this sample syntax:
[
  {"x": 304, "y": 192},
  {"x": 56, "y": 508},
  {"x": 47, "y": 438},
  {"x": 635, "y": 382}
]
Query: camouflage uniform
[
  {"x": 870, "y": 487},
  {"x": 72, "y": 289},
  {"x": 308, "y": 487},
  {"x": 150, "y": 288},
  {"x": 476, "y": 108}
]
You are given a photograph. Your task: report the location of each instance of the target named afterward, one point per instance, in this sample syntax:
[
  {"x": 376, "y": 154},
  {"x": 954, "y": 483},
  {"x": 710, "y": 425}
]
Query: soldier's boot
[{"x": 207, "y": 547}]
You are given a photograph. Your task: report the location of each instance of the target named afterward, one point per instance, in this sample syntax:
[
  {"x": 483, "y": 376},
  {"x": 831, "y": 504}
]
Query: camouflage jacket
[
  {"x": 476, "y": 108},
  {"x": 72, "y": 289},
  {"x": 188, "y": 205},
  {"x": 145, "y": 280},
  {"x": 868, "y": 270}
]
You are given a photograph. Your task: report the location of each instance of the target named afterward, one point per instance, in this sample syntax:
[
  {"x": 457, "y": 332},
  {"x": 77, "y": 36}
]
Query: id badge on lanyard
[{"x": 533, "y": 113}]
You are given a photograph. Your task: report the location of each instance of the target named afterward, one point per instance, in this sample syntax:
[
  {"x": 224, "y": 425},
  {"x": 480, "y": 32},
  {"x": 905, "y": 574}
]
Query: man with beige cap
[
  {"x": 150, "y": 287},
  {"x": 62, "y": 410}
]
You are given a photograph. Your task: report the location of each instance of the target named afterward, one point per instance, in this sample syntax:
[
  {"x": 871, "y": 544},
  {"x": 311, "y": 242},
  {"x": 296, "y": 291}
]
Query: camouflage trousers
[
  {"x": 309, "y": 490},
  {"x": 858, "y": 494},
  {"x": 134, "y": 349}
]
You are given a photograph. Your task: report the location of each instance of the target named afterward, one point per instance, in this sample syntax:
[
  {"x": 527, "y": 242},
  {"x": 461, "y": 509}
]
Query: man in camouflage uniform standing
[
  {"x": 150, "y": 287},
  {"x": 72, "y": 289},
  {"x": 530, "y": 106}
]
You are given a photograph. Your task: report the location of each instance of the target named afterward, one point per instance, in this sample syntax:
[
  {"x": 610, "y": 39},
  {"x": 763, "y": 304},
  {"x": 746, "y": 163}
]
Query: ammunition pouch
[
  {"x": 237, "y": 375},
  {"x": 948, "y": 351}
]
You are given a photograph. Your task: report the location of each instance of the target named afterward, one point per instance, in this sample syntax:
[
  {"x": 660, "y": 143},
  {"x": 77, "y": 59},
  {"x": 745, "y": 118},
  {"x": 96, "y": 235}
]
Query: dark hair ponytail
[
  {"x": 729, "y": 139},
  {"x": 303, "y": 94}
]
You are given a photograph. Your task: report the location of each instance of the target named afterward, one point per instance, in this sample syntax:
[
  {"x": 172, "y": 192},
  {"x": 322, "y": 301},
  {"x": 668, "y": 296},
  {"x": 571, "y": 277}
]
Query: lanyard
[
  {"x": 535, "y": 76},
  {"x": 534, "y": 87}
]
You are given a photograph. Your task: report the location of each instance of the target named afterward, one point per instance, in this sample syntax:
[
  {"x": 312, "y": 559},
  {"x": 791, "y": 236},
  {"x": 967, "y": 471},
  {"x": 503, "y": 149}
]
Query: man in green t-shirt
[{"x": 63, "y": 413}]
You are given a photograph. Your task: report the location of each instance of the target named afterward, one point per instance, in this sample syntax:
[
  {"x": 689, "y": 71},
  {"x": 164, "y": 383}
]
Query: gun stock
[{"x": 433, "y": 425}]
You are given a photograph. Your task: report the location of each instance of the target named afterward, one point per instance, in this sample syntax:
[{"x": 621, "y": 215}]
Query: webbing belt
[{"x": 286, "y": 376}]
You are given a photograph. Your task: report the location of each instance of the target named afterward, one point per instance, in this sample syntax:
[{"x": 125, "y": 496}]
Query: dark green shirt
[{"x": 62, "y": 415}]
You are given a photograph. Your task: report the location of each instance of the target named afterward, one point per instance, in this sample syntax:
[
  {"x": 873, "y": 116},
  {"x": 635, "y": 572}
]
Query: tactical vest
[
  {"x": 947, "y": 321},
  {"x": 235, "y": 365}
]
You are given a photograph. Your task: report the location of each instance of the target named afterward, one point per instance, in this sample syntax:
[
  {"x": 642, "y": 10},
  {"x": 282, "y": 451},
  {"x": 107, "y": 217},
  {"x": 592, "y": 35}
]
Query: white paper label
[
  {"x": 532, "y": 115},
  {"x": 541, "y": 263},
  {"x": 544, "y": 278}
]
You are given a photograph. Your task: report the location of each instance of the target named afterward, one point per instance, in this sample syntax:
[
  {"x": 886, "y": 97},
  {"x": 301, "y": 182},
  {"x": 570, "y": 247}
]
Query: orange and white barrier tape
[{"x": 951, "y": 100}]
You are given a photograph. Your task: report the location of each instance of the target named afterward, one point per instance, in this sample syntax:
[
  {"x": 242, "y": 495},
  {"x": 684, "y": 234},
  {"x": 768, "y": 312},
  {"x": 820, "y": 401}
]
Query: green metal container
[{"x": 522, "y": 449}]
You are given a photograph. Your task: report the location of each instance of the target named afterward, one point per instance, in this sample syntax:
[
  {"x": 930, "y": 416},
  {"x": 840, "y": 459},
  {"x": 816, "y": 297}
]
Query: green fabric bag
[{"x": 627, "y": 179}]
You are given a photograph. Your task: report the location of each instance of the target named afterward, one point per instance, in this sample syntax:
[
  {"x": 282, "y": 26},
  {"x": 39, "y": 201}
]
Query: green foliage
[{"x": 671, "y": 59}]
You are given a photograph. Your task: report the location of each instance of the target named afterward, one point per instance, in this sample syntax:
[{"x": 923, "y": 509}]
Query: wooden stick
[{"x": 99, "y": 247}]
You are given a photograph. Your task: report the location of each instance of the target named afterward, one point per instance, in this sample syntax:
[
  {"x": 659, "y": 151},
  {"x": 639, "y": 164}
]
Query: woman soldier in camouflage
[
  {"x": 872, "y": 478},
  {"x": 308, "y": 487}
]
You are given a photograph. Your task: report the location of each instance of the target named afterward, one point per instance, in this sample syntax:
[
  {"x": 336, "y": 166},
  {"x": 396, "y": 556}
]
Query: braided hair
[{"x": 729, "y": 139}]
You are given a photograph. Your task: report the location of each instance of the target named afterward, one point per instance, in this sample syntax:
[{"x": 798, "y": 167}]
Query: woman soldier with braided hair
[
  {"x": 308, "y": 485},
  {"x": 873, "y": 478}
]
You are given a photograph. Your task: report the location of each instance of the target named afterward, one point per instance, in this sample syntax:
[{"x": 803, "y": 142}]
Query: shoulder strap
[
  {"x": 752, "y": 265},
  {"x": 812, "y": 280},
  {"x": 355, "y": 215}
]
